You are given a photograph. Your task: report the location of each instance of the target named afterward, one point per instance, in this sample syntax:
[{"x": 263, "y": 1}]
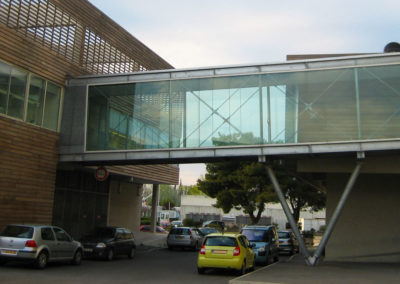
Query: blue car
[{"x": 266, "y": 241}]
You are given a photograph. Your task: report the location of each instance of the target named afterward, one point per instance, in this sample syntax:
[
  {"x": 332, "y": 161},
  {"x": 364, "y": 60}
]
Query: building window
[
  {"x": 5, "y": 71},
  {"x": 28, "y": 97},
  {"x": 16, "y": 97},
  {"x": 37, "y": 90},
  {"x": 52, "y": 106}
]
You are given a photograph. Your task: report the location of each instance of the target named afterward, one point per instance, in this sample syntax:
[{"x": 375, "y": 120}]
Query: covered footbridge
[{"x": 337, "y": 116}]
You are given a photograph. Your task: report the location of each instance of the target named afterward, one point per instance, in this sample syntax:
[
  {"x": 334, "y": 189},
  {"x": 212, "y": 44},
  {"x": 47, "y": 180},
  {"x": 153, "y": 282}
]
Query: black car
[
  {"x": 107, "y": 242},
  {"x": 208, "y": 230}
]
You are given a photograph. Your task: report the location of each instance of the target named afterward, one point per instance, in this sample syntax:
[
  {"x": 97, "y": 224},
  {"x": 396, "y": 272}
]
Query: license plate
[
  {"x": 87, "y": 250},
  {"x": 216, "y": 251},
  {"x": 179, "y": 237},
  {"x": 6, "y": 251}
]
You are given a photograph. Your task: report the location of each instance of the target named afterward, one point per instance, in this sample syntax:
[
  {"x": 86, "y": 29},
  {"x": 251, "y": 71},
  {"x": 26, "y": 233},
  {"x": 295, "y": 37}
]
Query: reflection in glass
[
  {"x": 275, "y": 108},
  {"x": 5, "y": 71},
  {"x": 17, "y": 94},
  {"x": 37, "y": 89},
  {"x": 52, "y": 106}
]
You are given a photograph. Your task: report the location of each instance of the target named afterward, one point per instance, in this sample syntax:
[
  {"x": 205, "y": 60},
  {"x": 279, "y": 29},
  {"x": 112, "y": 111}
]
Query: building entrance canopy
[{"x": 327, "y": 105}]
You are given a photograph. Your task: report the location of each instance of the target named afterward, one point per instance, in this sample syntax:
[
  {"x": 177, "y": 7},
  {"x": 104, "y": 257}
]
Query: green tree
[
  {"x": 238, "y": 184},
  {"x": 168, "y": 194},
  {"x": 302, "y": 191},
  {"x": 247, "y": 185},
  {"x": 194, "y": 190}
]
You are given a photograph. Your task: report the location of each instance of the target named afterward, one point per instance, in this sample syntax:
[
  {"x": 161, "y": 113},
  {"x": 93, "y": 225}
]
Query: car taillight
[
  {"x": 191, "y": 236},
  {"x": 236, "y": 251},
  {"x": 203, "y": 250},
  {"x": 31, "y": 244}
]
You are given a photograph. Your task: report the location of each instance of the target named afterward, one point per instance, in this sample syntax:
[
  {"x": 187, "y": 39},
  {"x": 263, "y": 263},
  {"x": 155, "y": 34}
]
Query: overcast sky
[{"x": 199, "y": 33}]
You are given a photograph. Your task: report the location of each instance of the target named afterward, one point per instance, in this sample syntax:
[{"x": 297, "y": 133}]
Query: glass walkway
[{"x": 327, "y": 101}]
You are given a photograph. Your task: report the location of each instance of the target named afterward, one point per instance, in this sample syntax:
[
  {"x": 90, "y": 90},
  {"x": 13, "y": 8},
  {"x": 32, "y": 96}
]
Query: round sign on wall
[{"x": 101, "y": 173}]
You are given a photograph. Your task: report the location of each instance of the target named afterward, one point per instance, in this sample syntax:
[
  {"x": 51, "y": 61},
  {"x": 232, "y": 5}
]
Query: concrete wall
[
  {"x": 368, "y": 228},
  {"x": 125, "y": 204}
]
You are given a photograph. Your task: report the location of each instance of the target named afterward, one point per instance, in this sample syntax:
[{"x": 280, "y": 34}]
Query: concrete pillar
[
  {"x": 154, "y": 205},
  {"x": 368, "y": 229},
  {"x": 125, "y": 204}
]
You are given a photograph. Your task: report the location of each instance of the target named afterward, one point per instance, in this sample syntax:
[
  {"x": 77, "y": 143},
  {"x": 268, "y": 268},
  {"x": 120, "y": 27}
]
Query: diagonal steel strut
[
  {"x": 313, "y": 260},
  {"x": 303, "y": 249},
  {"x": 335, "y": 216}
]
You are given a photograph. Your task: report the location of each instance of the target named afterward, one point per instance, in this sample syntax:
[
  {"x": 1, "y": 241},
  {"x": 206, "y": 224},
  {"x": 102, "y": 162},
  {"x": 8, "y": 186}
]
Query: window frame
[{"x": 26, "y": 97}]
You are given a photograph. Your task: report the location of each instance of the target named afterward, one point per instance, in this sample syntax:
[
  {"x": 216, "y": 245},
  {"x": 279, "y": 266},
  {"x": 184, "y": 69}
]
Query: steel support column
[
  {"x": 303, "y": 249},
  {"x": 154, "y": 205},
  {"x": 335, "y": 216}
]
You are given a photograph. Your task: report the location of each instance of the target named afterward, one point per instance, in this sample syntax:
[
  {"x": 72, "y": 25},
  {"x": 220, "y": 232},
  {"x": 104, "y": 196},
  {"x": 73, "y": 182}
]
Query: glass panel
[
  {"x": 319, "y": 106},
  {"x": 5, "y": 71},
  {"x": 52, "y": 106},
  {"x": 379, "y": 92},
  {"x": 110, "y": 117},
  {"x": 37, "y": 89},
  {"x": 17, "y": 94},
  {"x": 151, "y": 109},
  {"x": 296, "y": 107}
]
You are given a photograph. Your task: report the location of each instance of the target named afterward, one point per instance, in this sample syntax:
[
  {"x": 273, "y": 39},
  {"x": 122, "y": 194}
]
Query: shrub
[
  {"x": 188, "y": 222},
  {"x": 145, "y": 221}
]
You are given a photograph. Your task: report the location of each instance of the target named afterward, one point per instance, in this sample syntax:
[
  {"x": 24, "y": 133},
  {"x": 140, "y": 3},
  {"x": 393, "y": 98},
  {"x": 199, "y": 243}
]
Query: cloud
[{"x": 208, "y": 33}]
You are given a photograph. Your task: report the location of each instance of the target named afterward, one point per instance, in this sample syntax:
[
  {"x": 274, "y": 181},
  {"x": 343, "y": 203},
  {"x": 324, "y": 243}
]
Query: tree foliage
[
  {"x": 169, "y": 196},
  {"x": 238, "y": 184},
  {"x": 247, "y": 185},
  {"x": 302, "y": 191}
]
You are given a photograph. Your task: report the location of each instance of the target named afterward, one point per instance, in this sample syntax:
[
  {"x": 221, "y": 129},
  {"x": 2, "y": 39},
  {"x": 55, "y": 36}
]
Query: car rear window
[
  {"x": 284, "y": 235},
  {"x": 221, "y": 241},
  {"x": 255, "y": 235},
  {"x": 23, "y": 232},
  {"x": 103, "y": 232},
  {"x": 180, "y": 231}
]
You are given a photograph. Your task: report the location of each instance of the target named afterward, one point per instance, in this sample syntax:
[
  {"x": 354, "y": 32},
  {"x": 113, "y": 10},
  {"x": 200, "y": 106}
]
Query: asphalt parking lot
[{"x": 151, "y": 265}]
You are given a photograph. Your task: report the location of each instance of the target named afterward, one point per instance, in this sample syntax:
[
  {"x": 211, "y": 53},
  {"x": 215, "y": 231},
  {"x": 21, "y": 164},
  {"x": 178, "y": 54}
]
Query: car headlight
[
  {"x": 101, "y": 245},
  {"x": 261, "y": 249}
]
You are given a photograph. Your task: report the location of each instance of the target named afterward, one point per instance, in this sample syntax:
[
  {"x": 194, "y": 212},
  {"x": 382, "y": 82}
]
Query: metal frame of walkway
[{"x": 74, "y": 149}]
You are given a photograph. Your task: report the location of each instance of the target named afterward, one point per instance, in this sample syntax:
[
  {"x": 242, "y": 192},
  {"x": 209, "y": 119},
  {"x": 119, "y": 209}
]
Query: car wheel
[
  {"x": 110, "y": 255},
  {"x": 132, "y": 253},
  {"x": 2, "y": 261},
  {"x": 200, "y": 270},
  {"x": 269, "y": 259},
  {"x": 276, "y": 258},
  {"x": 170, "y": 247},
  {"x": 77, "y": 258},
  {"x": 41, "y": 260},
  {"x": 242, "y": 270}
]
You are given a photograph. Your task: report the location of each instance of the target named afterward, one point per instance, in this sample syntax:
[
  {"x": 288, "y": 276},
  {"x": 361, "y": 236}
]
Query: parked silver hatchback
[
  {"x": 39, "y": 244},
  {"x": 184, "y": 237}
]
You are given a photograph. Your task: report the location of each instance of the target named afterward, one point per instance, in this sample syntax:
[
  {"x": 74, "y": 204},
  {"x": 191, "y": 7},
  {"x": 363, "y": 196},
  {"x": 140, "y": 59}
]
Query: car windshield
[
  {"x": 23, "y": 232},
  {"x": 284, "y": 235},
  {"x": 103, "y": 233},
  {"x": 221, "y": 241},
  {"x": 255, "y": 235}
]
